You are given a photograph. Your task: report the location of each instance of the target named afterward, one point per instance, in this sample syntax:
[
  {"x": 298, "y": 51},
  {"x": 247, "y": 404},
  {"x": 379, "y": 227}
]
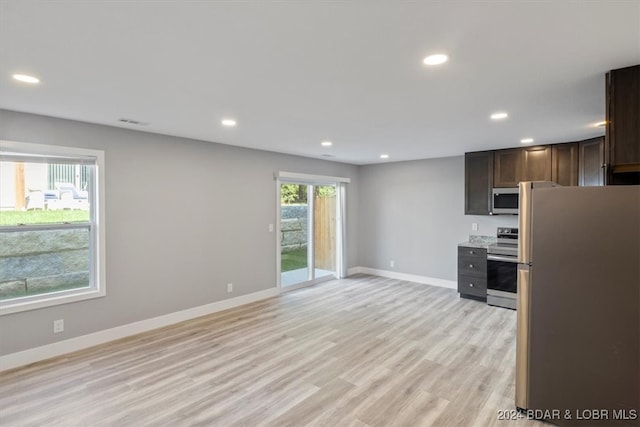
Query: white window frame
[{"x": 97, "y": 287}]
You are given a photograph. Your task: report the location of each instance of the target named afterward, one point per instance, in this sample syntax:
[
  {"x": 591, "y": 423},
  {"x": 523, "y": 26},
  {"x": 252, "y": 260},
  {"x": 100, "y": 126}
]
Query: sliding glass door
[
  {"x": 308, "y": 233},
  {"x": 294, "y": 232}
]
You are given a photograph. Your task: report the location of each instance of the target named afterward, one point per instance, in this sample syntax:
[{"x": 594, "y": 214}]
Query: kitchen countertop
[{"x": 479, "y": 241}]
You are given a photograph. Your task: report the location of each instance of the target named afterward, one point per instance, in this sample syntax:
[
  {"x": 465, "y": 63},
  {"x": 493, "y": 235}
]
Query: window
[{"x": 51, "y": 225}]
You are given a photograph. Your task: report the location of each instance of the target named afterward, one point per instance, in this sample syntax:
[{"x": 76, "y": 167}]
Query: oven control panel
[{"x": 508, "y": 235}]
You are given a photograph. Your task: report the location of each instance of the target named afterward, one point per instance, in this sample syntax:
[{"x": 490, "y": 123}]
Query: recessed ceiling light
[
  {"x": 228, "y": 122},
  {"x": 499, "y": 116},
  {"x": 526, "y": 140},
  {"x": 599, "y": 124},
  {"x": 384, "y": 156},
  {"x": 436, "y": 59},
  {"x": 326, "y": 143},
  {"x": 25, "y": 78}
]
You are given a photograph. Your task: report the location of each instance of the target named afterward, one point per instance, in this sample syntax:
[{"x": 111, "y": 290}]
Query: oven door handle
[{"x": 492, "y": 257}]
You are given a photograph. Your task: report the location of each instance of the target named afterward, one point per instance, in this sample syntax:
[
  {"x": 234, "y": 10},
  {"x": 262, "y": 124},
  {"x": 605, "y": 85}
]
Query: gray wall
[
  {"x": 415, "y": 216},
  {"x": 169, "y": 245},
  {"x": 169, "y": 203}
]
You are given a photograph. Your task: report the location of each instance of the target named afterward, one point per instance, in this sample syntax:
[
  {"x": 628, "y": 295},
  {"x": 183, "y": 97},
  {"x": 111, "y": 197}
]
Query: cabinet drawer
[
  {"x": 472, "y": 285},
  {"x": 467, "y": 251},
  {"x": 472, "y": 265}
]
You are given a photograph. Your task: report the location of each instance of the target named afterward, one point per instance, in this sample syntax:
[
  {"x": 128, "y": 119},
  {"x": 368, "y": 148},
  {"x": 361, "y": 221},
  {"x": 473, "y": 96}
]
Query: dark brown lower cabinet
[
  {"x": 472, "y": 272},
  {"x": 591, "y": 162}
]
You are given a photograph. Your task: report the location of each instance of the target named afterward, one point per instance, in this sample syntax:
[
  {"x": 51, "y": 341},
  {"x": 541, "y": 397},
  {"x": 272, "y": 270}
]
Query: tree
[
  {"x": 325, "y": 191},
  {"x": 297, "y": 193},
  {"x": 293, "y": 193}
]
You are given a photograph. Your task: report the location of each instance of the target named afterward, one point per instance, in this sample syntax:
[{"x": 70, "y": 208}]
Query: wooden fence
[{"x": 324, "y": 217}]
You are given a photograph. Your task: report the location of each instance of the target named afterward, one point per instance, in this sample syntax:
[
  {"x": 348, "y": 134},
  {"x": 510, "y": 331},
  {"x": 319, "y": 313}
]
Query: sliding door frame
[{"x": 312, "y": 181}]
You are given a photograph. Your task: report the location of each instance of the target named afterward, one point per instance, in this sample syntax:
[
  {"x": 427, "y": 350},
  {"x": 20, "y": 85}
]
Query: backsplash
[{"x": 487, "y": 226}]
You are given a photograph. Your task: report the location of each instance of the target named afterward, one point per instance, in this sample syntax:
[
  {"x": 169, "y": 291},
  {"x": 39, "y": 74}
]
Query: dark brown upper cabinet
[
  {"x": 478, "y": 182},
  {"x": 591, "y": 162},
  {"x": 507, "y": 167},
  {"x": 623, "y": 125},
  {"x": 568, "y": 164},
  {"x": 564, "y": 164},
  {"x": 522, "y": 164},
  {"x": 536, "y": 163}
]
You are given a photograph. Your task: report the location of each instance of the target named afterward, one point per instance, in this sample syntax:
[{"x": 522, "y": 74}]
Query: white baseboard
[
  {"x": 48, "y": 351},
  {"x": 451, "y": 284},
  {"x": 354, "y": 270}
]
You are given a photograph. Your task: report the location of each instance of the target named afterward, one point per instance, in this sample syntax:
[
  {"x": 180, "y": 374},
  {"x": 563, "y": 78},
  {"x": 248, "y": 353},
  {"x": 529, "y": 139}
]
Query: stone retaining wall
[
  {"x": 293, "y": 211},
  {"x": 44, "y": 260},
  {"x": 293, "y": 227}
]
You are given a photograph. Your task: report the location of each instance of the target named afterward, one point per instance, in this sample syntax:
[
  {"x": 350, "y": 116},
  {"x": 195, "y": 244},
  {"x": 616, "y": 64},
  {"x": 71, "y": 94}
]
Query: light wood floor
[{"x": 364, "y": 351}]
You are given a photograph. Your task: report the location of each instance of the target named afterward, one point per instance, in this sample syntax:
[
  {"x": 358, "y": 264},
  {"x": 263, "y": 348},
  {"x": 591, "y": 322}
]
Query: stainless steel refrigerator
[{"x": 578, "y": 305}]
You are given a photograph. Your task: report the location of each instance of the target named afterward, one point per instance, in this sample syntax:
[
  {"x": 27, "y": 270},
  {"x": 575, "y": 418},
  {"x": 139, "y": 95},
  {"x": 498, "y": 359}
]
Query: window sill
[{"x": 49, "y": 300}]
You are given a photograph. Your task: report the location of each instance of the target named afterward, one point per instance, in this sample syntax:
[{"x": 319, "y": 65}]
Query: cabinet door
[
  {"x": 507, "y": 167},
  {"x": 472, "y": 272},
  {"x": 478, "y": 182},
  {"x": 564, "y": 159},
  {"x": 591, "y": 162},
  {"x": 623, "y": 125},
  {"x": 536, "y": 164}
]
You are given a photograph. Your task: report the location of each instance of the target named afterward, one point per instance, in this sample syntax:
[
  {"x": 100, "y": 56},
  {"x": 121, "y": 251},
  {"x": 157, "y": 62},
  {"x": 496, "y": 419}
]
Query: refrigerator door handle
[{"x": 522, "y": 337}]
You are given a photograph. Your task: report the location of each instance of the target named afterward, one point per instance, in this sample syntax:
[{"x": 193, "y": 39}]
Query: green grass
[
  {"x": 42, "y": 217},
  {"x": 18, "y": 294},
  {"x": 293, "y": 260}
]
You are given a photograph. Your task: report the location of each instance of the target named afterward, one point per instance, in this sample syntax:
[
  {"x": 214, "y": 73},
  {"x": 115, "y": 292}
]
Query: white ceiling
[{"x": 296, "y": 73}]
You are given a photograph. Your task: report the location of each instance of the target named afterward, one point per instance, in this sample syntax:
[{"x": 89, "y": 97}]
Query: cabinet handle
[
  {"x": 470, "y": 265},
  {"x": 471, "y": 285}
]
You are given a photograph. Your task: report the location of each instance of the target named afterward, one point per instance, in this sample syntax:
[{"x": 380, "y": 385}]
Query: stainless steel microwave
[{"x": 505, "y": 201}]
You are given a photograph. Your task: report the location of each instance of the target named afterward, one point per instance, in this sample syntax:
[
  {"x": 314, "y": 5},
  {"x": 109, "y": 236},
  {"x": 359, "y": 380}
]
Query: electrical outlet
[
  {"x": 58, "y": 326},
  {"x": 229, "y": 287},
  {"x": 270, "y": 228},
  {"x": 474, "y": 226},
  {"x": 392, "y": 263}
]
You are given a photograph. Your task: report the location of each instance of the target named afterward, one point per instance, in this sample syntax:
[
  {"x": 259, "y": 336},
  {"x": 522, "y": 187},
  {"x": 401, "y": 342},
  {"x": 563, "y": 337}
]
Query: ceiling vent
[{"x": 133, "y": 122}]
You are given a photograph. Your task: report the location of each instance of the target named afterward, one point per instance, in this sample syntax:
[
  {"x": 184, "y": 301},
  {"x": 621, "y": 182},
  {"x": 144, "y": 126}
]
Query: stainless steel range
[{"x": 502, "y": 269}]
